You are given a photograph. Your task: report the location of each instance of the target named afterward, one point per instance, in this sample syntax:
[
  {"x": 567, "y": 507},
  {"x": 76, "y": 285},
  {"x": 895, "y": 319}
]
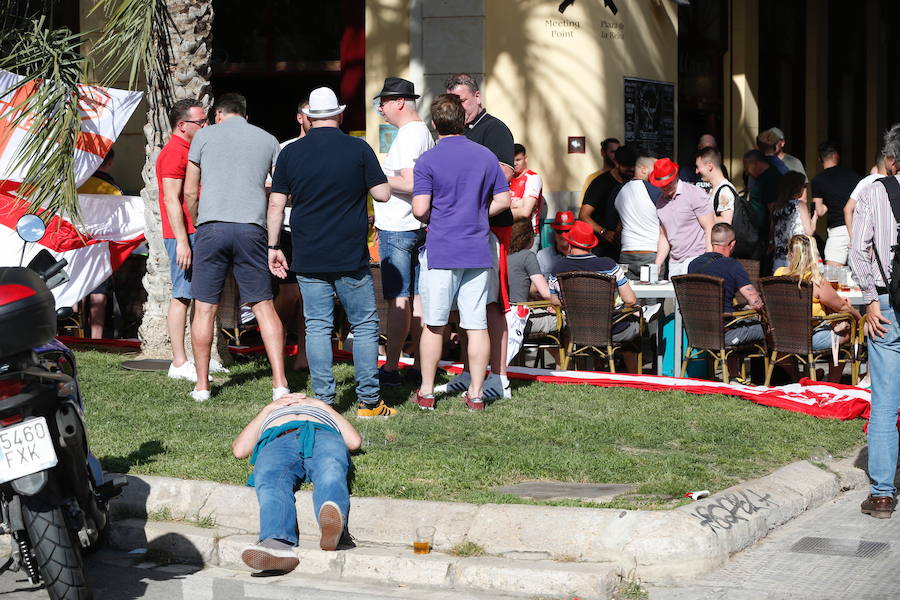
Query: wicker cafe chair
[
  {"x": 860, "y": 349},
  {"x": 588, "y": 300},
  {"x": 789, "y": 308},
  {"x": 752, "y": 268},
  {"x": 700, "y": 300},
  {"x": 542, "y": 341}
]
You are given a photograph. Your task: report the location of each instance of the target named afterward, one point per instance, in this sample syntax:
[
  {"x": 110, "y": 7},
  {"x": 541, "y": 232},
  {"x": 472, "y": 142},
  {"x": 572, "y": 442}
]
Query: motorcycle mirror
[{"x": 30, "y": 228}]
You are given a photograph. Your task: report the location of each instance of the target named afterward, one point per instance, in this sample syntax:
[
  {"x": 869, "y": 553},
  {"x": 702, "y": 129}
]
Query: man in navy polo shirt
[{"x": 327, "y": 175}]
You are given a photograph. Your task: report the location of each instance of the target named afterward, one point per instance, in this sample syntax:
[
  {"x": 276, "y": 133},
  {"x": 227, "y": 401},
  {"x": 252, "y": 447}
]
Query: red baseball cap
[
  {"x": 563, "y": 221},
  {"x": 664, "y": 171},
  {"x": 581, "y": 235}
]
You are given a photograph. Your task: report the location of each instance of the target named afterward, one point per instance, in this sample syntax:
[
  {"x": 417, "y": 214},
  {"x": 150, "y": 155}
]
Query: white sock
[{"x": 504, "y": 381}]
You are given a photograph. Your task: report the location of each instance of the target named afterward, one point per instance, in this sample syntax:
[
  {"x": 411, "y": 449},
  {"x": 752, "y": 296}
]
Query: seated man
[
  {"x": 548, "y": 256},
  {"x": 581, "y": 239},
  {"x": 292, "y": 439},
  {"x": 736, "y": 284}
]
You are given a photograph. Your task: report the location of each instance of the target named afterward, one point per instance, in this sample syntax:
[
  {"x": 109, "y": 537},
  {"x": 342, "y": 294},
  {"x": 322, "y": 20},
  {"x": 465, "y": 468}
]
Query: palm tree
[{"x": 168, "y": 42}]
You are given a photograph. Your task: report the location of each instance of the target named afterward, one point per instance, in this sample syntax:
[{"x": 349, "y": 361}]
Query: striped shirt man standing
[{"x": 874, "y": 232}]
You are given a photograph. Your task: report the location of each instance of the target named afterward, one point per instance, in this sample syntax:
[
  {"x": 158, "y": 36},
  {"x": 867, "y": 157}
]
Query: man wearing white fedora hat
[{"x": 328, "y": 175}]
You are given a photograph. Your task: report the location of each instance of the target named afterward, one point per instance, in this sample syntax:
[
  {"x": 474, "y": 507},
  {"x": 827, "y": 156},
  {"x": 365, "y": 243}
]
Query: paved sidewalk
[{"x": 854, "y": 557}]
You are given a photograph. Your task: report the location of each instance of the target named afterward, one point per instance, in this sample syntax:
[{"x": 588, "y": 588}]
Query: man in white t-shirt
[
  {"x": 636, "y": 205},
  {"x": 400, "y": 234},
  {"x": 877, "y": 172},
  {"x": 722, "y": 192}
]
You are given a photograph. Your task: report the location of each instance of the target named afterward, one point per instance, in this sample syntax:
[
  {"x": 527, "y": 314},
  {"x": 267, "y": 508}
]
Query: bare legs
[
  {"x": 430, "y": 347},
  {"x": 97, "y": 315},
  {"x": 404, "y": 317},
  {"x": 175, "y": 320},
  {"x": 270, "y": 328}
]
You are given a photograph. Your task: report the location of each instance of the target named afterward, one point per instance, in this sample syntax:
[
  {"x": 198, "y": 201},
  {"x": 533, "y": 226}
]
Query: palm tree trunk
[{"x": 188, "y": 34}]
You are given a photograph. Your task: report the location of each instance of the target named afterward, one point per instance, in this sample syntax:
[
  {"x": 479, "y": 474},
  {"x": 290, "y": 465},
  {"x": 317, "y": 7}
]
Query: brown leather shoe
[{"x": 879, "y": 507}]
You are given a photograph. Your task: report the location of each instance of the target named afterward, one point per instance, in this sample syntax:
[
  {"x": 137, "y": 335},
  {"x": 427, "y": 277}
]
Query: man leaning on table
[{"x": 874, "y": 229}]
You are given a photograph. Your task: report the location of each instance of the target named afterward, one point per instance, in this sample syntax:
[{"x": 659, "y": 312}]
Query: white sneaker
[
  {"x": 279, "y": 392},
  {"x": 186, "y": 371},
  {"x": 200, "y": 395},
  {"x": 216, "y": 367},
  {"x": 458, "y": 384},
  {"x": 494, "y": 387}
]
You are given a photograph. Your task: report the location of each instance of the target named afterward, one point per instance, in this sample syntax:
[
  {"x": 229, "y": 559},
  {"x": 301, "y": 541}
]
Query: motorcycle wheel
[{"x": 57, "y": 553}]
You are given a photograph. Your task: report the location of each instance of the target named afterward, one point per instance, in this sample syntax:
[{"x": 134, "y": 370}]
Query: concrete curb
[{"x": 543, "y": 550}]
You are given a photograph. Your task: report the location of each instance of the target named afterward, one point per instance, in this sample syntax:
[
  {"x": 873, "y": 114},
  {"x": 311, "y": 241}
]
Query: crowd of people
[{"x": 459, "y": 228}]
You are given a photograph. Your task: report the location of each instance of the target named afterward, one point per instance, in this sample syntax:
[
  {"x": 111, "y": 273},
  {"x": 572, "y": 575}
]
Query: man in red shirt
[
  {"x": 525, "y": 191},
  {"x": 186, "y": 117}
]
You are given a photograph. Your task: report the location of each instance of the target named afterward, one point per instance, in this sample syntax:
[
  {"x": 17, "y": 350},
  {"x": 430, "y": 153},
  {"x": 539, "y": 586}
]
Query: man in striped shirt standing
[
  {"x": 871, "y": 254},
  {"x": 295, "y": 439}
]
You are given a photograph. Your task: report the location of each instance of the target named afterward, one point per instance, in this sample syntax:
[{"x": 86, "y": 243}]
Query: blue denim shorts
[
  {"x": 399, "y": 252},
  {"x": 181, "y": 280},
  {"x": 821, "y": 338},
  {"x": 241, "y": 247}
]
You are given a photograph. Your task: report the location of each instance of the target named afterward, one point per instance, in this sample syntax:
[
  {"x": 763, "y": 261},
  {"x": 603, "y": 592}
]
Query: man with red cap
[
  {"x": 548, "y": 256},
  {"x": 581, "y": 239},
  {"x": 686, "y": 218}
]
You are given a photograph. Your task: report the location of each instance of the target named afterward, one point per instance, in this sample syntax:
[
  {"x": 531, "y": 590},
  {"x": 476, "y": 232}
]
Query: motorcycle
[{"x": 54, "y": 501}]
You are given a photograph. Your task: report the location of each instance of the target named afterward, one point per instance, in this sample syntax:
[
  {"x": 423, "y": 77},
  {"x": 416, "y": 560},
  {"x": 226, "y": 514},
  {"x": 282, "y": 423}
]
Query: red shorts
[{"x": 503, "y": 233}]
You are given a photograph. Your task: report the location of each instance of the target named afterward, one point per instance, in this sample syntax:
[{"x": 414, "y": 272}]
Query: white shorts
[
  {"x": 679, "y": 267},
  {"x": 493, "y": 290},
  {"x": 442, "y": 290},
  {"x": 837, "y": 245}
]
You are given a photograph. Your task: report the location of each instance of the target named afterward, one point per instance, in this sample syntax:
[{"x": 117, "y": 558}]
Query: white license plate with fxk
[{"x": 25, "y": 448}]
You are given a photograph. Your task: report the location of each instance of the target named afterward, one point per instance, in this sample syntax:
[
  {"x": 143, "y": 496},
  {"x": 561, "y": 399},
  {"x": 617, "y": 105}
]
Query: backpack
[
  {"x": 746, "y": 230},
  {"x": 893, "y": 282}
]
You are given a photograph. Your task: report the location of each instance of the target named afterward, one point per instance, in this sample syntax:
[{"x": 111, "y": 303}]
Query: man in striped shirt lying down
[{"x": 292, "y": 440}]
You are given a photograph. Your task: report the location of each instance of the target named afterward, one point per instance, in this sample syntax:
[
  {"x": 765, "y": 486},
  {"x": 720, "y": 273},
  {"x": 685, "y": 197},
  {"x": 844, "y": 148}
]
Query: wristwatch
[{"x": 275, "y": 247}]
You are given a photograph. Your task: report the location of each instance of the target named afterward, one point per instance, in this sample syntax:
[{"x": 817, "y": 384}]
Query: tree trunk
[{"x": 188, "y": 34}]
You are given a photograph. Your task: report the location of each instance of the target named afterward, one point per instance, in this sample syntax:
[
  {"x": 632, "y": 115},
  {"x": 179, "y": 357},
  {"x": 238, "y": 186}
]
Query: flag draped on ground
[{"x": 111, "y": 226}]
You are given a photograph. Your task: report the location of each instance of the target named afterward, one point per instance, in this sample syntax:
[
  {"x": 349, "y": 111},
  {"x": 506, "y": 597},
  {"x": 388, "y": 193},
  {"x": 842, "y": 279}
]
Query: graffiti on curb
[{"x": 729, "y": 509}]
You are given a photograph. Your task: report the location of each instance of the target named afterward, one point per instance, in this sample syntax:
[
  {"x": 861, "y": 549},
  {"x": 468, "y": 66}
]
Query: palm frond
[
  {"x": 52, "y": 67},
  {"x": 129, "y": 39}
]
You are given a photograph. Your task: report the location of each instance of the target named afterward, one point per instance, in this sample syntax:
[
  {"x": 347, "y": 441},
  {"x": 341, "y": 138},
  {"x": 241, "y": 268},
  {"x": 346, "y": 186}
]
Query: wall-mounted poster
[{"x": 650, "y": 115}]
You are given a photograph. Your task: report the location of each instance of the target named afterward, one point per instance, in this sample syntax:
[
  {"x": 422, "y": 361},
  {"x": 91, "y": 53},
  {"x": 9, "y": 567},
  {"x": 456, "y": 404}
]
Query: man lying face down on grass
[{"x": 291, "y": 440}]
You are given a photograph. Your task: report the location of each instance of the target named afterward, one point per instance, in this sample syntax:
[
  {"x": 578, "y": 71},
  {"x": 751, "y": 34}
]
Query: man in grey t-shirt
[{"x": 231, "y": 161}]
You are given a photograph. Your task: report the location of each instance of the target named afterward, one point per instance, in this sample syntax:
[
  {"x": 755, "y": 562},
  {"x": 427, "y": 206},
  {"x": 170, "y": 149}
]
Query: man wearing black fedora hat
[{"x": 400, "y": 234}]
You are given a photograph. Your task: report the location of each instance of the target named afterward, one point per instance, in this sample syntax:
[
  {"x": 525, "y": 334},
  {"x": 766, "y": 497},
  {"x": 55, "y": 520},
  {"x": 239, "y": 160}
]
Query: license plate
[{"x": 25, "y": 448}]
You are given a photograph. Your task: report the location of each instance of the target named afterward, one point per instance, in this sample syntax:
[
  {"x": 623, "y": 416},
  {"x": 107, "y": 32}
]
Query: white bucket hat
[{"x": 322, "y": 104}]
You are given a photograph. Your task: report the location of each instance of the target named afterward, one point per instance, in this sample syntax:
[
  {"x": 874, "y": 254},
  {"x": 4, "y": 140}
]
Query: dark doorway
[
  {"x": 276, "y": 51},
  {"x": 702, "y": 43}
]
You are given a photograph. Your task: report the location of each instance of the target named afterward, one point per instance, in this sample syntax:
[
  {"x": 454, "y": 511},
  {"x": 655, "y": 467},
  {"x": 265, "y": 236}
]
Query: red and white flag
[
  {"x": 103, "y": 111},
  {"x": 113, "y": 228}
]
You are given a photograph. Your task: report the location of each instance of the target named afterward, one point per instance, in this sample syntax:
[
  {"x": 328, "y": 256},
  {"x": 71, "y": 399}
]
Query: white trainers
[
  {"x": 458, "y": 384},
  {"x": 186, "y": 371},
  {"x": 200, "y": 395},
  {"x": 494, "y": 387},
  {"x": 216, "y": 367},
  {"x": 278, "y": 392}
]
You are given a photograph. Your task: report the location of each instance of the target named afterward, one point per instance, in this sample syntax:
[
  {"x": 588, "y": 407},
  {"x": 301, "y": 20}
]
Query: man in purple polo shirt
[{"x": 457, "y": 185}]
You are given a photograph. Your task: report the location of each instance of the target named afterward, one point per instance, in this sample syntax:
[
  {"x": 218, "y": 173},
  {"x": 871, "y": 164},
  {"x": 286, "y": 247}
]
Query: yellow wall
[
  {"x": 387, "y": 52},
  {"x": 550, "y": 76}
]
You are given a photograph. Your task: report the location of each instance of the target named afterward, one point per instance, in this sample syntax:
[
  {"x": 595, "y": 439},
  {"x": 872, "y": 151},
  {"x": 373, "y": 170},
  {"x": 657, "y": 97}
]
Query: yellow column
[{"x": 741, "y": 84}]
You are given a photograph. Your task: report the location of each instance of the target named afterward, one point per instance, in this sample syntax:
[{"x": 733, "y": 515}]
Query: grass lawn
[{"x": 667, "y": 443}]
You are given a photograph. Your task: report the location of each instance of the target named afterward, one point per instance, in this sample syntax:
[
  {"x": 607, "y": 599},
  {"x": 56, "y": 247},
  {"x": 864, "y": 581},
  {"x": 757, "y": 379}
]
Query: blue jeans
[
  {"x": 884, "y": 360},
  {"x": 357, "y": 295},
  {"x": 280, "y": 470},
  {"x": 399, "y": 251}
]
